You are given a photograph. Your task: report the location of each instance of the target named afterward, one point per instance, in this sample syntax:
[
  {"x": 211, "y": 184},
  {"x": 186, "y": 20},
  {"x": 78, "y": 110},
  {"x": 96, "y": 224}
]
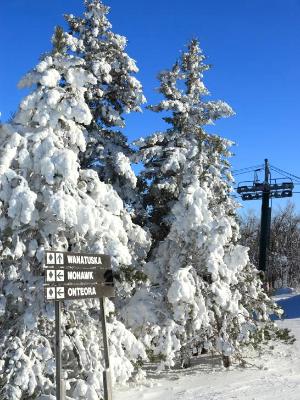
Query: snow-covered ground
[{"x": 275, "y": 375}]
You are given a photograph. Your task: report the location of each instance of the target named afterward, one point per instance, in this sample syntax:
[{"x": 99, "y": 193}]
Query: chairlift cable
[
  {"x": 287, "y": 174},
  {"x": 246, "y": 169}
]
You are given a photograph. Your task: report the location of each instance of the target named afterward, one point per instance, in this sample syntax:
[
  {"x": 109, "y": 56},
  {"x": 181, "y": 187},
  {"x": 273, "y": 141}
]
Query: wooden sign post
[
  {"x": 73, "y": 276},
  {"x": 106, "y": 373}
]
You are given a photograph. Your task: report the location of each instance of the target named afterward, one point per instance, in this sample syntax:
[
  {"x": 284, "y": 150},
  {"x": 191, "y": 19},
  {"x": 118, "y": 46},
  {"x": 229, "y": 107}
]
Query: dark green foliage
[{"x": 59, "y": 41}]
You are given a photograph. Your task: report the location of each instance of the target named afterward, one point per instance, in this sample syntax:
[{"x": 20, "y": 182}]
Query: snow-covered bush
[
  {"x": 203, "y": 292},
  {"x": 115, "y": 93},
  {"x": 49, "y": 202}
]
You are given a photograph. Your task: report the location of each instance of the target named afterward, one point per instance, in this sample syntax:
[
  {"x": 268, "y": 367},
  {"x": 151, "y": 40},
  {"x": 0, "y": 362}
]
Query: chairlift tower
[
  {"x": 269, "y": 188},
  {"x": 265, "y": 222}
]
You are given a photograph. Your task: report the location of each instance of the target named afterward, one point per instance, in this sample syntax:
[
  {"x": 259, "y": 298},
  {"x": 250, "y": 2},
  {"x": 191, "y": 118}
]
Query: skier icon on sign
[
  {"x": 59, "y": 258},
  {"x": 50, "y": 258},
  {"x": 50, "y": 293},
  {"x": 50, "y": 275}
]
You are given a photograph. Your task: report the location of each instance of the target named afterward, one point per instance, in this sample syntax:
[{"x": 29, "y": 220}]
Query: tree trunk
[{"x": 226, "y": 361}]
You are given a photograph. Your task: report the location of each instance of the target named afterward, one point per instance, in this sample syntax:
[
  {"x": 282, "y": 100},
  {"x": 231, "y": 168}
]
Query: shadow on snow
[{"x": 291, "y": 307}]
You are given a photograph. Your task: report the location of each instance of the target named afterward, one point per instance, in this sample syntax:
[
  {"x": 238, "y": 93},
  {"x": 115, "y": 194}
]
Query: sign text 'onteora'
[{"x": 78, "y": 292}]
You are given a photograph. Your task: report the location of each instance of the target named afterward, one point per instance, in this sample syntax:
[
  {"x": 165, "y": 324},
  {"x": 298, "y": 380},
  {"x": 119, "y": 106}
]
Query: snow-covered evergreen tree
[
  {"x": 204, "y": 291},
  {"x": 49, "y": 202},
  {"x": 115, "y": 93}
]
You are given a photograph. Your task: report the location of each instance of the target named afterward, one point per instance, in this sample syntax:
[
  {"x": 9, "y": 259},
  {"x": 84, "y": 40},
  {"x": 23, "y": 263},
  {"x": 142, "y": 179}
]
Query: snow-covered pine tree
[
  {"x": 49, "y": 202},
  {"x": 115, "y": 93},
  {"x": 204, "y": 290}
]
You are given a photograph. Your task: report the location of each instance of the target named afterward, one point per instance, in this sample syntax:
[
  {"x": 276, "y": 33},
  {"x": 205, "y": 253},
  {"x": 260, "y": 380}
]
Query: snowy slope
[{"x": 273, "y": 376}]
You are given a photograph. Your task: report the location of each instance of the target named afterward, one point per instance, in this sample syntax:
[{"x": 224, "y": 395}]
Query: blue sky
[{"x": 253, "y": 46}]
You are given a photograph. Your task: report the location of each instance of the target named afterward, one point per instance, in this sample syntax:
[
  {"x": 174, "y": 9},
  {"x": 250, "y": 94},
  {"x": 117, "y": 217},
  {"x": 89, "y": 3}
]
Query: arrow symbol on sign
[
  {"x": 60, "y": 293},
  {"x": 59, "y": 275},
  {"x": 59, "y": 257}
]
